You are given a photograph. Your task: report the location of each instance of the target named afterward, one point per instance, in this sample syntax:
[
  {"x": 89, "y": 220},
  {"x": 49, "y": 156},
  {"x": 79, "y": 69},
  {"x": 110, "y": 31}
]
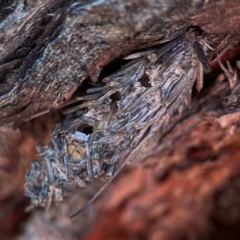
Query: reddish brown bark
[{"x": 189, "y": 186}]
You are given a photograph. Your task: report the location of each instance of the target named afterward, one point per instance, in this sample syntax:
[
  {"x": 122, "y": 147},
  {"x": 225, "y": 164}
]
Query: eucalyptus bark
[{"x": 188, "y": 185}]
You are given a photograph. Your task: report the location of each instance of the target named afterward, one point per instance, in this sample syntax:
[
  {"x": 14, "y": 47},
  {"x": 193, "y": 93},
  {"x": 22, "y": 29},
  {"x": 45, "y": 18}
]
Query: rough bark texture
[{"x": 188, "y": 187}]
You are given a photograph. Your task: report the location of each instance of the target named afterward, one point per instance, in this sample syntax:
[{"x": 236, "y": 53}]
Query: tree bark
[{"x": 187, "y": 187}]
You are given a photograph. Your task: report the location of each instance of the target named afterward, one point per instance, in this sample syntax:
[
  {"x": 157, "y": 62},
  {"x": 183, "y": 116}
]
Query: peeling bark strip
[{"x": 124, "y": 114}]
